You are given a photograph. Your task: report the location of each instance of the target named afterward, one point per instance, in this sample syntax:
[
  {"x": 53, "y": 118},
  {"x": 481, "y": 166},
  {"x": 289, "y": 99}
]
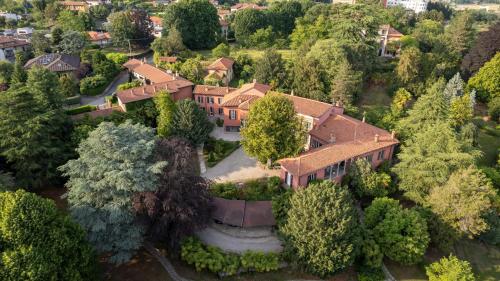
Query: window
[
  {"x": 331, "y": 171},
  {"x": 221, "y": 111},
  {"x": 369, "y": 158},
  {"x": 288, "y": 179},
  {"x": 328, "y": 172},
  {"x": 315, "y": 143},
  {"x": 380, "y": 155},
  {"x": 202, "y": 108},
  {"x": 210, "y": 99},
  {"x": 311, "y": 177},
  {"x": 232, "y": 114},
  {"x": 211, "y": 111},
  {"x": 200, "y": 99},
  {"x": 341, "y": 168},
  {"x": 219, "y": 100},
  {"x": 334, "y": 171}
]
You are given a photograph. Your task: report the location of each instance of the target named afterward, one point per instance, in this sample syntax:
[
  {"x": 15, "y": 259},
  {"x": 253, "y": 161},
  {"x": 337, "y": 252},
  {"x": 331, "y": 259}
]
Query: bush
[
  {"x": 129, "y": 85},
  {"x": 216, "y": 150},
  {"x": 227, "y": 190},
  {"x": 213, "y": 259},
  {"x": 219, "y": 122},
  {"x": 72, "y": 100},
  {"x": 450, "y": 269},
  {"x": 118, "y": 58},
  {"x": 93, "y": 85},
  {"x": 252, "y": 190},
  {"x": 367, "y": 182},
  {"x": 370, "y": 274},
  {"x": 281, "y": 205},
  {"x": 81, "y": 109}
]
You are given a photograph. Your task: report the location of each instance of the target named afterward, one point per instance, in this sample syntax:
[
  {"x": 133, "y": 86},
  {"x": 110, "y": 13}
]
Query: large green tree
[
  {"x": 190, "y": 122},
  {"x": 246, "y": 22},
  {"x": 273, "y": 130},
  {"x": 401, "y": 233},
  {"x": 281, "y": 16},
  {"x": 39, "y": 242},
  {"x": 366, "y": 181},
  {"x": 485, "y": 47},
  {"x": 196, "y": 20},
  {"x": 487, "y": 80},
  {"x": 459, "y": 34},
  {"x": 114, "y": 163},
  {"x": 464, "y": 201},
  {"x": 73, "y": 42},
  {"x": 322, "y": 227},
  {"x": 169, "y": 45},
  {"x": 270, "y": 69},
  {"x": 130, "y": 27}
]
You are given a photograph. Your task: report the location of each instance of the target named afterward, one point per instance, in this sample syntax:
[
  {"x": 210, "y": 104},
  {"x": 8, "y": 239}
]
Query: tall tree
[
  {"x": 409, "y": 68},
  {"x": 182, "y": 202},
  {"x": 190, "y": 122},
  {"x": 114, "y": 163},
  {"x": 485, "y": 47},
  {"x": 487, "y": 80},
  {"x": 41, "y": 243},
  {"x": 282, "y": 16},
  {"x": 347, "y": 84},
  {"x": 132, "y": 27},
  {"x": 73, "y": 42},
  {"x": 366, "y": 181},
  {"x": 166, "y": 110},
  {"x": 323, "y": 228},
  {"x": 68, "y": 86},
  {"x": 401, "y": 233},
  {"x": 196, "y": 20},
  {"x": 460, "y": 33},
  {"x": 270, "y": 69},
  {"x": 169, "y": 45},
  {"x": 464, "y": 201},
  {"x": 429, "y": 158},
  {"x": 309, "y": 80},
  {"x": 273, "y": 130},
  {"x": 45, "y": 86},
  {"x": 192, "y": 70},
  {"x": 246, "y": 22},
  {"x": 40, "y": 43}
]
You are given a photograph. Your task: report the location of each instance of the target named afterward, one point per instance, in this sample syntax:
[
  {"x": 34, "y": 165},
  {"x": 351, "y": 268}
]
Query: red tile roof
[
  {"x": 156, "y": 20},
  {"x": 221, "y": 64},
  {"x": 9, "y": 42},
  {"x": 351, "y": 137},
  {"x": 241, "y": 6},
  {"x": 97, "y": 36},
  {"x": 55, "y": 62},
  {"x": 149, "y": 91},
  {"x": 212, "y": 90},
  {"x": 148, "y": 71},
  {"x": 309, "y": 107},
  {"x": 168, "y": 59},
  {"x": 244, "y": 93}
]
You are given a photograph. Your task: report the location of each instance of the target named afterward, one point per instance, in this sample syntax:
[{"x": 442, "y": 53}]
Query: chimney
[
  {"x": 177, "y": 74},
  {"x": 364, "y": 117},
  {"x": 333, "y": 139},
  {"x": 206, "y": 89},
  {"x": 292, "y": 93},
  {"x": 377, "y": 137},
  {"x": 393, "y": 135},
  {"x": 227, "y": 89}
]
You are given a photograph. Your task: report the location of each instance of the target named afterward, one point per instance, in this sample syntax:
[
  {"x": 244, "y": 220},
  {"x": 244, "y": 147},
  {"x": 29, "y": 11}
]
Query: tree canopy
[
  {"x": 450, "y": 268},
  {"x": 190, "y": 122},
  {"x": 273, "y": 130}
]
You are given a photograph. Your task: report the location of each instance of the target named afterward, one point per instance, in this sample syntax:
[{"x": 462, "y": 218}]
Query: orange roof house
[
  {"x": 221, "y": 69},
  {"x": 210, "y": 98},
  {"x": 157, "y": 25},
  {"x": 99, "y": 38},
  {"x": 155, "y": 80},
  {"x": 76, "y": 6},
  {"x": 388, "y": 35}
]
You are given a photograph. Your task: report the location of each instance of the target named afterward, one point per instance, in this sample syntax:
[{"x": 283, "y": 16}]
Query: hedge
[
  {"x": 93, "y": 85},
  {"x": 81, "y": 109},
  {"x": 72, "y": 100},
  {"x": 216, "y": 261}
]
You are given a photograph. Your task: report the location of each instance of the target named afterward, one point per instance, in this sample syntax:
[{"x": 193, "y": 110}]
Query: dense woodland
[{"x": 130, "y": 176}]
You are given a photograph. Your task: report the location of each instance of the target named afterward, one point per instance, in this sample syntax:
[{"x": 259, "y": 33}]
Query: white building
[
  {"x": 9, "y": 46},
  {"x": 417, "y": 6}
]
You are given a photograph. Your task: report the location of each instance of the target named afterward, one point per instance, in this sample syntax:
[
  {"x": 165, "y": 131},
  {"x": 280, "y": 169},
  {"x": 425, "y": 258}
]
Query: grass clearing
[
  {"x": 215, "y": 150},
  {"x": 374, "y": 96},
  {"x": 488, "y": 141},
  {"x": 253, "y": 53}
]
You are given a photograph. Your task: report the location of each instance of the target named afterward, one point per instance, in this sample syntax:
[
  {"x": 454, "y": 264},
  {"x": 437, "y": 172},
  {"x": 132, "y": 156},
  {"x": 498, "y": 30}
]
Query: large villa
[{"x": 335, "y": 140}]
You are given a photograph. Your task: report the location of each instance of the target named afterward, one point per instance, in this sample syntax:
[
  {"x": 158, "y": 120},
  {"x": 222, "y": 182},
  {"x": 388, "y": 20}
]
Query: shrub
[
  {"x": 494, "y": 109},
  {"x": 367, "y": 182},
  {"x": 129, "y": 85},
  {"x": 118, "y": 58},
  {"x": 213, "y": 259},
  {"x": 72, "y": 100},
  {"x": 226, "y": 190},
  {"x": 93, "y": 85},
  {"x": 370, "y": 274},
  {"x": 281, "y": 205},
  {"x": 219, "y": 122},
  {"x": 81, "y": 109},
  {"x": 450, "y": 269}
]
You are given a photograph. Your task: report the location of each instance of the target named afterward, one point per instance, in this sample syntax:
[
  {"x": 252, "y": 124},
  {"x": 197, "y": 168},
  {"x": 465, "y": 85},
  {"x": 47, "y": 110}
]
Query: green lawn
[
  {"x": 215, "y": 150},
  {"x": 484, "y": 259},
  {"x": 374, "y": 96},
  {"x": 488, "y": 140}
]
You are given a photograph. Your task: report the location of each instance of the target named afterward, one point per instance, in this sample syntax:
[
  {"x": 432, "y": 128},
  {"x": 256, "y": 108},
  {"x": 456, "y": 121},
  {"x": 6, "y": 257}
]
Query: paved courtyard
[
  {"x": 238, "y": 167},
  {"x": 220, "y": 133}
]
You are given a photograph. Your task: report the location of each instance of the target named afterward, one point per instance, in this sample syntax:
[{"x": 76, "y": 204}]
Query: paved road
[
  {"x": 238, "y": 167},
  {"x": 98, "y": 100}
]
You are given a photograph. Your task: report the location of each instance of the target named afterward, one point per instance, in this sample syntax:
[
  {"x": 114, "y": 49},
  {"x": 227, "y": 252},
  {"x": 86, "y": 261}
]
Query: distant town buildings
[
  {"x": 9, "y": 46},
  {"x": 417, "y": 6},
  {"x": 99, "y": 38},
  {"x": 389, "y": 41}
]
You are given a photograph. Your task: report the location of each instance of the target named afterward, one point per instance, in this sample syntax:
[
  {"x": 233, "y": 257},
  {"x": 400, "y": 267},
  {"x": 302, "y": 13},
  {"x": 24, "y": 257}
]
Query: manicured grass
[
  {"x": 215, "y": 150},
  {"x": 488, "y": 141},
  {"x": 484, "y": 259},
  {"x": 374, "y": 96}
]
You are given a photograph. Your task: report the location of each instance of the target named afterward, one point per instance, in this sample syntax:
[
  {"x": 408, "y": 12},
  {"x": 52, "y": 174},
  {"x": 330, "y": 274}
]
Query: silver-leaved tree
[{"x": 115, "y": 162}]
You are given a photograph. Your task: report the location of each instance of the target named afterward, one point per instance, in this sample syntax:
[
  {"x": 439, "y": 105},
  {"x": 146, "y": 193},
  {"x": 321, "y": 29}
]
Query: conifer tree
[{"x": 166, "y": 110}]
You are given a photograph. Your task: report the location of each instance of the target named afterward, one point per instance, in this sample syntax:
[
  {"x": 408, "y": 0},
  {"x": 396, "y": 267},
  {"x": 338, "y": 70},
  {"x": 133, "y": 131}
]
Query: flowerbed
[{"x": 252, "y": 190}]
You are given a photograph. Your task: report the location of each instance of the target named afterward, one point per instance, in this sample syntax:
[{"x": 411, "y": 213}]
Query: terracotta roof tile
[
  {"x": 148, "y": 71},
  {"x": 309, "y": 107},
  {"x": 168, "y": 59},
  {"x": 149, "y": 91},
  {"x": 96, "y": 36},
  {"x": 10, "y": 42},
  {"x": 212, "y": 90},
  {"x": 221, "y": 64},
  {"x": 55, "y": 62},
  {"x": 235, "y": 98},
  {"x": 156, "y": 20}
]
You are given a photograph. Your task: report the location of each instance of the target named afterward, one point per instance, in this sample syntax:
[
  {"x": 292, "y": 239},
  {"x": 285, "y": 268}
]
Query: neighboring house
[
  {"x": 75, "y": 6},
  {"x": 210, "y": 98},
  {"x": 10, "y": 16},
  {"x": 155, "y": 80},
  {"x": 241, "y": 6},
  {"x": 59, "y": 63},
  {"x": 221, "y": 70},
  {"x": 224, "y": 28},
  {"x": 97, "y": 2},
  {"x": 388, "y": 36},
  {"x": 417, "y": 6},
  {"x": 99, "y": 38},
  {"x": 157, "y": 25},
  {"x": 9, "y": 46},
  {"x": 24, "y": 31}
]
